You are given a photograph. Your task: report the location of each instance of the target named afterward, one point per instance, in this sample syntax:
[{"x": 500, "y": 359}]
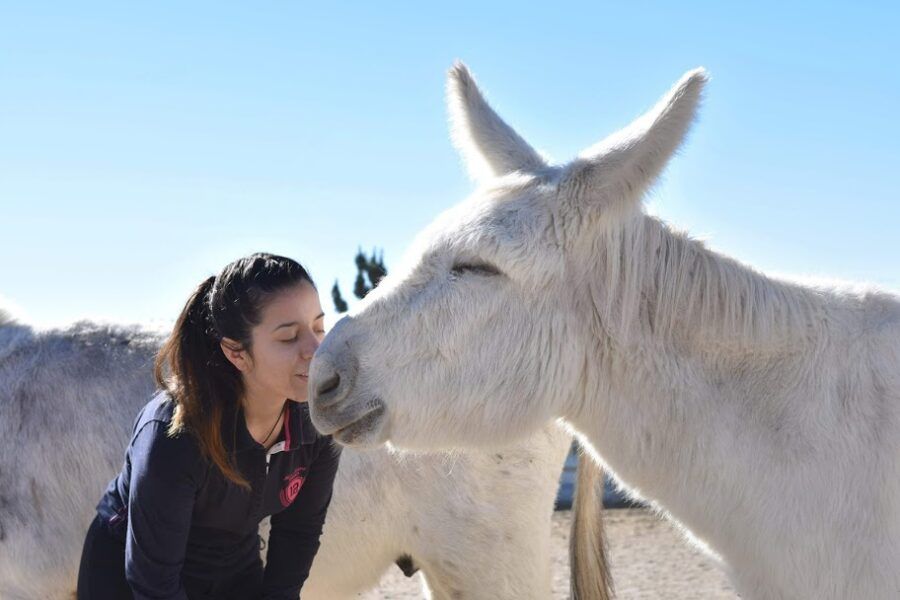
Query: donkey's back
[{"x": 65, "y": 396}]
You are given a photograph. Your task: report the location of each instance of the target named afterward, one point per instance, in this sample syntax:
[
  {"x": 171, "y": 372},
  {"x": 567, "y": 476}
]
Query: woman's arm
[
  {"x": 294, "y": 537},
  {"x": 165, "y": 474}
]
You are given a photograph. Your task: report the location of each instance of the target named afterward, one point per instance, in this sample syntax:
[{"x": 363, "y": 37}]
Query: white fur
[
  {"x": 762, "y": 415},
  {"x": 476, "y": 523}
]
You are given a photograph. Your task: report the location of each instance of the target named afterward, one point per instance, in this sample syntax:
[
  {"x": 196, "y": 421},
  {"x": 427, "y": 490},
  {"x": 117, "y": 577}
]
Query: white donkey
[
  {"x": 477, "y": 524},
  {"x": 762, "y": 415}
]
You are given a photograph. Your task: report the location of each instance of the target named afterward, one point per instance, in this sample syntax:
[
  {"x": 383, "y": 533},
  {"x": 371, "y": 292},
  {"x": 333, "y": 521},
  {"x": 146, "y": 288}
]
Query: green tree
[
  {"x": 339, "y": 304},
  {"x": 370, "y": 270}
]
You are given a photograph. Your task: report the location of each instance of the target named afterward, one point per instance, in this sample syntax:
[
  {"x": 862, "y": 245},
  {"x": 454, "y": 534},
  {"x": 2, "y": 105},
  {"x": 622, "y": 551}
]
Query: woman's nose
[{"x": 309, "y": 346}]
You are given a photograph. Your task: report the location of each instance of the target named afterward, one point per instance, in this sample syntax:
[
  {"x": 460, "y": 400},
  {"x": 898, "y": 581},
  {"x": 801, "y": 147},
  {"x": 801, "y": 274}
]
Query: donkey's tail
[{"x": 591, "y": 579}]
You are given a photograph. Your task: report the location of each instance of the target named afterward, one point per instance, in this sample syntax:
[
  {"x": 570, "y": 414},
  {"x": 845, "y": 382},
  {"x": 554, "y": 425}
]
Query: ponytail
[{"x": 199, "y": 379}]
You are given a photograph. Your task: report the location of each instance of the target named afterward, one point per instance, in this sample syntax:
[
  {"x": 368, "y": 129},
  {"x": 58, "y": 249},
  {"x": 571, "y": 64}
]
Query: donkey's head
[{"x": 486, "y": 331}]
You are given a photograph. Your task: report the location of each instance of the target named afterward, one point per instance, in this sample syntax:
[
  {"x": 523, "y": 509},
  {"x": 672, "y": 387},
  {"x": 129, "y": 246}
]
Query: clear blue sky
[{"x": 143, "y": 146}]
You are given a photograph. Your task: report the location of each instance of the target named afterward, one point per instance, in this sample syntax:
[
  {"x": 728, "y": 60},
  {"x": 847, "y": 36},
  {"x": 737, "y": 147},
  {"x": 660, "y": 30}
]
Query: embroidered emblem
[{"x": 292, "y": 487}]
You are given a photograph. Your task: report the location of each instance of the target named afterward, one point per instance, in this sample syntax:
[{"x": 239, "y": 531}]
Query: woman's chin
[
  {"x": 299, "y": 393},
  {"x": 300, "y": 390}
]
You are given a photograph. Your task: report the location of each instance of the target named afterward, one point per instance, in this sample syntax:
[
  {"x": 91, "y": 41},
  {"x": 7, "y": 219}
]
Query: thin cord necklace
[{"x": 278, "y": 420}]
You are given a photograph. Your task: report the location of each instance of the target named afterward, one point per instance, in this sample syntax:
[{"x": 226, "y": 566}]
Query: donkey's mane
[
  {"x": 663, "y": 281},
  {"x": 5, "y": 317},
  {"x": 12, "y": 334}
]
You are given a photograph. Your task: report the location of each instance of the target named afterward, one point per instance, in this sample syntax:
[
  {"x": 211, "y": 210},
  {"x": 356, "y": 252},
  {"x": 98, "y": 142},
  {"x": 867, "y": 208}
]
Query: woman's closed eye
[{"x": 291, "y": 340}]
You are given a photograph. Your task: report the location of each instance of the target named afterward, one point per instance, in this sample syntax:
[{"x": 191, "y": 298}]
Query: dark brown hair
[{"x": 191, "y": 367}]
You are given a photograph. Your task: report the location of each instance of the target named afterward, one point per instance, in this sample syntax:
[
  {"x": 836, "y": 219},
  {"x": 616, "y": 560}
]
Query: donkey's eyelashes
[{"x": 476, "y": 268}]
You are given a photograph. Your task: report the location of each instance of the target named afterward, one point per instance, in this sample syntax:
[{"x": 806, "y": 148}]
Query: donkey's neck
[
  {"x": 689, "y": 383},
  {"x": 681, "y": 338}
]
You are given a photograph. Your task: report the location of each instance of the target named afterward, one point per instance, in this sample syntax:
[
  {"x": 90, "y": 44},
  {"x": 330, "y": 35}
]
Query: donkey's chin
[{"x": 367, "y": 431}]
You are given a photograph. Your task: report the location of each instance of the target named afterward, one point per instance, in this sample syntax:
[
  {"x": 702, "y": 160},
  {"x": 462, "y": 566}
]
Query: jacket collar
[{"x": 297, "y": 429}]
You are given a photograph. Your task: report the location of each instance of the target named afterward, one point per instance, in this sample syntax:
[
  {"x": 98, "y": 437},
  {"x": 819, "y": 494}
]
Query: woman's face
[{"x": 283, "y": 344}]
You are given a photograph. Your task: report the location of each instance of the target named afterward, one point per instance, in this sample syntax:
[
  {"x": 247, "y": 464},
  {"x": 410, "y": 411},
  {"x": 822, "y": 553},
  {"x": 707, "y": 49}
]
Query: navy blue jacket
[{"x": 182, "y": 520}]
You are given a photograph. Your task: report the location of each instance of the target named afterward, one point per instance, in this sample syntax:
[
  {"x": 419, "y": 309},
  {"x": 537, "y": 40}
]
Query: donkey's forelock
[{"x": 487, "y": 219}]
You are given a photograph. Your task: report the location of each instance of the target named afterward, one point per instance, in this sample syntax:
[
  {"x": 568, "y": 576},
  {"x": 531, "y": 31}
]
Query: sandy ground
[{"x": 649, "y": 561}]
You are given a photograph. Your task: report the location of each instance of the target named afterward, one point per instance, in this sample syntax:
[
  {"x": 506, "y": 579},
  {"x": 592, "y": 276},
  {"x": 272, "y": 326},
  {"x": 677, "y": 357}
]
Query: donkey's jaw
[
  {"x": 351, "y": 423},
  {"x": 366, "y": 431}
]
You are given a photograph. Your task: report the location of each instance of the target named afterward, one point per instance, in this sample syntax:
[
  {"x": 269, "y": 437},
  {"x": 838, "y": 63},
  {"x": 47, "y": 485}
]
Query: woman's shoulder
[
  {"x": 156, "y": 414},
  {"x": 160, "y": 406},
  {"x": 152, "y": 433}
]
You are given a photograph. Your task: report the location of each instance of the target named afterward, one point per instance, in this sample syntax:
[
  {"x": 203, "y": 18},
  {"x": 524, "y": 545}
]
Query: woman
[{"x": 227, "y": 442}]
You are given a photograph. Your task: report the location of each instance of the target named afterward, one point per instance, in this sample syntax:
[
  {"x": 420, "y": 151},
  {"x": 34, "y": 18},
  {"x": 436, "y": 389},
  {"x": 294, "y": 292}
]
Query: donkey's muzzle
[
  {"x": 329, "y": 381},
  {"x": 332, "y": 402},
  {"x": 328, "y": 388},
  {"x": 338, "y": 404}
]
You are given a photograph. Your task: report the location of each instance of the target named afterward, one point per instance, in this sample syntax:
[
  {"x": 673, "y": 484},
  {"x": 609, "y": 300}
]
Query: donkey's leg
[
  {"x": 481, "y": 528},
  {"x": 481, "y": 574},
  {"x": 359, "y": 541},
  {"x": 342, "y": 572},
  {"x": 501, "y": 559}
]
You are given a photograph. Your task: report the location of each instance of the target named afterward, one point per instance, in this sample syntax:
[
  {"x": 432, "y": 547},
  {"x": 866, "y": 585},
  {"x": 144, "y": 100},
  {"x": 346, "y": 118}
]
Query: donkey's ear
[
  {"x": 628, "y": 162},
  {"x": 489, "y": 146}
]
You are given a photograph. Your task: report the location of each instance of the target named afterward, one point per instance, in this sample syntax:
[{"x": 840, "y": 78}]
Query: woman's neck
[{"x": 262, "y": 417}]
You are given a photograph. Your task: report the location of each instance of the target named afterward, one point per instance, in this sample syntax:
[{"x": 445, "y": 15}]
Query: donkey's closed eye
[{"x": 476, "y": 268}]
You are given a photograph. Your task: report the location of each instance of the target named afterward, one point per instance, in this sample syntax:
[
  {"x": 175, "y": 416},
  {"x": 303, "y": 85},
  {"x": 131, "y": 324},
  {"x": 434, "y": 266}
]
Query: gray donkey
[{"x": 477, "y": 524}]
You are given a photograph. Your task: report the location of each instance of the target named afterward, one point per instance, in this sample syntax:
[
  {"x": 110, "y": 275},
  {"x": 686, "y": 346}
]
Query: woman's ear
[{"x": 236, "y": 354}]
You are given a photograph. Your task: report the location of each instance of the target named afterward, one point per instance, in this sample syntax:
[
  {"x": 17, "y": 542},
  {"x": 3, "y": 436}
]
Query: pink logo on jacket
[{"x": 292, "y": 487}]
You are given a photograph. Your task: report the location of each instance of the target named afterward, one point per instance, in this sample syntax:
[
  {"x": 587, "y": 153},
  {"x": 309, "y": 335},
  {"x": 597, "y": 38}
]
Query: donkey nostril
[{"x": 329, "y": 385}]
